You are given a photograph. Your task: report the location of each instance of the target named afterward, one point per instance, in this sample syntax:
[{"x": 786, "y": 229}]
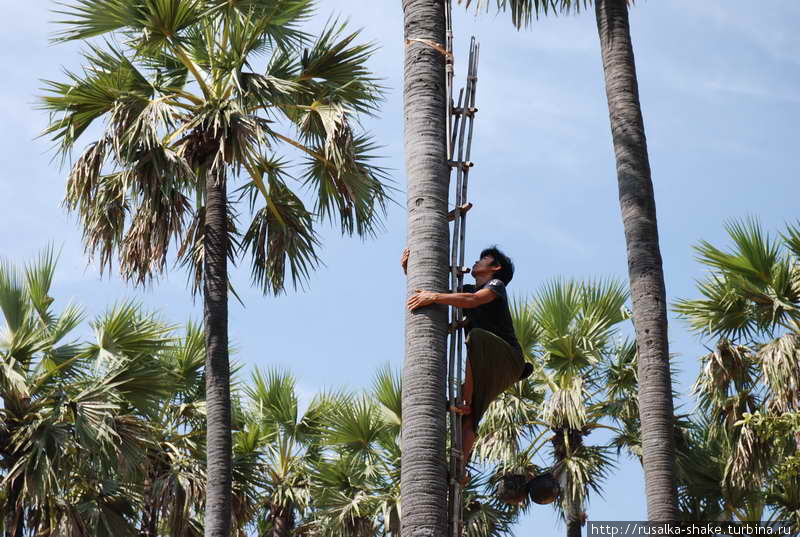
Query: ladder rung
[
  {"x": 469, "y": 111},
  {"x": 457, "y": 325},
  {"x": 462, "y": 270},
  {"x": 464, "y": 165},
  {"x": 464, "y": 208}
]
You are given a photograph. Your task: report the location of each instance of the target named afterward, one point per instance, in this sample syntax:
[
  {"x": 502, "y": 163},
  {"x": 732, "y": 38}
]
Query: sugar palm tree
[
  {"x": 637, "y": 204},
  {"x": 72, "y": 439},
  {"x": 748, "y": 384},
  {"x": 174, "y": 470},
  {"x": 356, "y": 482},
  {"x": 423, "y": 482},
  {"x": 288, "y": 443},
  {"x": 196, "y": 94},
  {"x": 567, "y": 331}
]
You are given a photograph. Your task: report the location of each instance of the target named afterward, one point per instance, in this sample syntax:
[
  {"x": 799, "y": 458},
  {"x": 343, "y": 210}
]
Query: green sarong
[{"x": 496, "y": 365}]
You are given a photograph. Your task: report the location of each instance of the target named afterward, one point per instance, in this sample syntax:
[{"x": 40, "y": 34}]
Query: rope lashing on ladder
[{"x": 433, "y": 44}]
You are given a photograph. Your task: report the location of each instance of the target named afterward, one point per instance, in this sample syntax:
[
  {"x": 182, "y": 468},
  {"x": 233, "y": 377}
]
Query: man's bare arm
[{"x": 420, "y": 299}]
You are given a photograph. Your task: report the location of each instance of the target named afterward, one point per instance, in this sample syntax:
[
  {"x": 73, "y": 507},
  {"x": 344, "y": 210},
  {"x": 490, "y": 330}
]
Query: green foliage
[
  {"x": 749, "y": 383},
  {"x": 189, "y": 90},
  {"x": 583, "y": 379}
]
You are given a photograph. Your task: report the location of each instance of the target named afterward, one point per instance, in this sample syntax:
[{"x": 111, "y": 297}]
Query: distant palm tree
[
  {"x": 638, "y": 207},
  {"x": 72, "y": 439},
  {"x": 424, "y": 480},
  {"x": 567, "y": 331},
  {"x": 748, "y": 384},
  {"x": 174, "y": 475},
  {"x": 289, "y": 443},
  {"x": 194, "y": 94},
  {"x": 356, "y": 483}
]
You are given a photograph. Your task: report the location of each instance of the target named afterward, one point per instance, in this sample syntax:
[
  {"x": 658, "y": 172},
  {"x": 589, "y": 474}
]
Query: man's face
[{"x": 484, "y": 266}]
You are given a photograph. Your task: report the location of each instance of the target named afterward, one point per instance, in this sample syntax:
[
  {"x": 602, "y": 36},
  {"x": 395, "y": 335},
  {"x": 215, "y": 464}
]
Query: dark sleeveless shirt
[{"x": 494, "y": 316}]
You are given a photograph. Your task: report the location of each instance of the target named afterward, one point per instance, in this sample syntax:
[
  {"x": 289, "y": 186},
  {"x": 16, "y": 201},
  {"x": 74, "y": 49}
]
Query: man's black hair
[{"x": 506, "y": 271}]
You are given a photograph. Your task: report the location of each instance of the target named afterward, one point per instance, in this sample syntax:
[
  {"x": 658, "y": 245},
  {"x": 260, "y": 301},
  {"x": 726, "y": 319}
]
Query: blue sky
[{"x": 718, "y": 84}]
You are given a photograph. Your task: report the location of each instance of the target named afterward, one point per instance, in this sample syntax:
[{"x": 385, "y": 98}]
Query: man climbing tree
[{"x": 494, "y": 356}]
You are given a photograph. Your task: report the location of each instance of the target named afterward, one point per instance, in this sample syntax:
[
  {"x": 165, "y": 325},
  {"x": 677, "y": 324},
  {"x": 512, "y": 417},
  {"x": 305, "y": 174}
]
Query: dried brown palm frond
[{"x": 780, "y": 364}]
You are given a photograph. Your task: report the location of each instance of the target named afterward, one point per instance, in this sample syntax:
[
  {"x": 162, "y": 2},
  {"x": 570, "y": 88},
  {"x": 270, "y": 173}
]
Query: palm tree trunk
[
  {"x": 566, "y": 442},
  {"x": 637, "y": 203},
  {"x": 218, "y": 400},
  {"x": 149, "y": 526},
  {"x": 572, "y": 513},
  {"x": 423, "y": 483},
  {"x": 16, "y": 520},
  {"x": 283, "y": 523}
]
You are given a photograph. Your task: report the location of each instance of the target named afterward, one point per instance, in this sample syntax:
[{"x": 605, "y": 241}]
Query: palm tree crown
[{"x": 188, "y": 88}]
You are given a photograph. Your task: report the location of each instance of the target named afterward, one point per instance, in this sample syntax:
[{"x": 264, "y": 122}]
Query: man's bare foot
[
  {"x": 463, "y": 478},
  {"x": 461, "y": 410}
]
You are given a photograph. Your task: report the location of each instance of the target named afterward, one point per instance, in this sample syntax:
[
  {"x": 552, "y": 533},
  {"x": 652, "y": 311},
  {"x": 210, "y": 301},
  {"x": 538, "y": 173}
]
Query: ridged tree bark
[
  {"x": 218, "y": 397},
  {"x": 637, "y": 203},
  {"x": 572, "y": 512},
  {"x": 572, "y": 506},
  {"x": 423, "y": 482},
  {"x": 283, "y": 522},
  {"x": 15, "y": 527}
]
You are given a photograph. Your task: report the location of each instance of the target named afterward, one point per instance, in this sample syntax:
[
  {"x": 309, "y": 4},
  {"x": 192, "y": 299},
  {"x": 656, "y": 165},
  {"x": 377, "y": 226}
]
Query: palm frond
[
  {"x": 791, "y": 239},
  {"x": 754, "y": 254},
  {"x": 357, "y": 193},
  {"x": 13, "y": 299},
  {"x": 526, "y": 328},
  {"x": 780, "y": 362},
  {"x": 125, "y": 330},
  {"x": 39, "y": 278},
  {"x": 334, "y": 71},
  {"x": 387, "y": 389},
  {"x": 565, "y": 406},
  {"x": 110, "y": 82},
  {"x": 723, "y": 312},
  {"x": 274, "y": 400},
  {"x": 754, "y": 279},
  {"x": 281, "y": 232},
  {"x": 357, "y": 427},
  {"x": 523, "y": 12},
  {"x": 278, "y": 21},
  {"x": 90, "y": 18}
]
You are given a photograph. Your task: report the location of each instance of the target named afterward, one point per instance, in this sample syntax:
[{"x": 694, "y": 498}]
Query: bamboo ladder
[{"x": 459, "y": 134}]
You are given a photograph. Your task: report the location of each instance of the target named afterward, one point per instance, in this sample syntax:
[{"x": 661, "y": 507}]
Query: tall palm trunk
[
  {"x": 644, "y": 258},
  {"x": 566, "y": 442},
  {"x": 283, "y": 522},
  {"x": 423, "y": 484},
  {"x": 218, "y": 400},
  {"x": 149, "y": 527},
  {"x": 16, "y": 514},
  {"x": 572, "y": 512}
]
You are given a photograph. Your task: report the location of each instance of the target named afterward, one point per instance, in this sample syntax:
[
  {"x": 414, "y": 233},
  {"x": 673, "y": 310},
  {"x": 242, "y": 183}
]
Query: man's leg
[
  {"x": 467, "y": 443},
  {"x": 465, "y": 409},
  {"x": 467, "y": 437},
  {"x": 466, "y": 390}
]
